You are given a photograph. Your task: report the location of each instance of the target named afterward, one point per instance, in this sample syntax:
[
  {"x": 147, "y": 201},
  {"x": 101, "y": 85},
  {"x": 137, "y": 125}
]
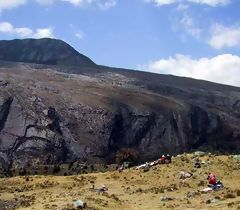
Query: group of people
[
  {"x": 165, "y": 159},
  {"x": 213, "y": 183}
]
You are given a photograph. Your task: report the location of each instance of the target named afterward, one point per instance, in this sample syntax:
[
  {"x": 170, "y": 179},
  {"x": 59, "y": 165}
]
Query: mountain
[
  {"x": 51, "y": 114},
  {"x": 42, "y": 51}
]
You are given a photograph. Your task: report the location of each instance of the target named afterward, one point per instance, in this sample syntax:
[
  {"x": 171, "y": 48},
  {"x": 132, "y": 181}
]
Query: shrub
[
  {"x": 56, "y": 169},
  {"x": 70, "y": 165},
  {"x": 92, "y": 167},
  {"x": 22, "y": 172},
  {"x": 126, "y": 154}
]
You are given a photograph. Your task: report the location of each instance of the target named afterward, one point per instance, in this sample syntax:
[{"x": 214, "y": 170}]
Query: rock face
[
  {"x": 50, "y": 117},
  {"x": 42, "y": 51}
]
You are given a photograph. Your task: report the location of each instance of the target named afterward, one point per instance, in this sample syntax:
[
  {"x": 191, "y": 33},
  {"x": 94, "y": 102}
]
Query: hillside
[
  {"x": 62, "y": 113},
  {"x": 131, "y": 189}
]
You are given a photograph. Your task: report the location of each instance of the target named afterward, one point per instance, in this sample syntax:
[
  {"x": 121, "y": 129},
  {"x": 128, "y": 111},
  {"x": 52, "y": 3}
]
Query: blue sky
[{"x": 194, "y": 38}]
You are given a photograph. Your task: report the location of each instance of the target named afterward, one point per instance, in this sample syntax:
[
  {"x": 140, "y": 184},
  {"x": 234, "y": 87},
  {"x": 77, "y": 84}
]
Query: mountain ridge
[
  {"x": 77, "y": 62},
  {"x": 42, "y": 51}
]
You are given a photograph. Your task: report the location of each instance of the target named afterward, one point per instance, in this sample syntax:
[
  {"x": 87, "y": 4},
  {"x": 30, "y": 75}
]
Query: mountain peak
[{"x": 42, "y": 51}]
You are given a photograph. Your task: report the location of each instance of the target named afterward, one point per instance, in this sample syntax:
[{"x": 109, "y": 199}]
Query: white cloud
[
  {"x": 223, "y": 68},
  {"x": 107, "y": 4},
  {"x": 43, "y": 33},
  {"x": 79, "y": 35},
  {"x": 212, "y": 3},
  {"x": 23, "y": 32},
  {"x": 45, "y": 2},
  {"x": 10, "y": 4},
  {"x": 8, "y": 28},
  {"x": 190, "y": 27},
  {"x": 75, "y": 2},
  {"x": 161, "y": 2},
  {"x": 222, "y": 37},
  {"x": 79, "y": 2},
  {"x": 101, "y": 4}
]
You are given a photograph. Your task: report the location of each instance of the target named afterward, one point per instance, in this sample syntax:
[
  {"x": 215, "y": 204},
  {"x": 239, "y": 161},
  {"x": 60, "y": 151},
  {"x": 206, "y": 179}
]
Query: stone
[
  {"x": 165, "y": 198},
  {"x": 237, "y": 157},
  {"x": 191, "y": 194},
  {"x": 79, "y": 204},
  {"x": 199, "y": 153}
]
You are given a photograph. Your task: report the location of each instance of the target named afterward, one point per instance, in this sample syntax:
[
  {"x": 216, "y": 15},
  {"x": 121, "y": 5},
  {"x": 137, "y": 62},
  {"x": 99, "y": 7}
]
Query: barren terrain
[{"x": 131, "y": 189}]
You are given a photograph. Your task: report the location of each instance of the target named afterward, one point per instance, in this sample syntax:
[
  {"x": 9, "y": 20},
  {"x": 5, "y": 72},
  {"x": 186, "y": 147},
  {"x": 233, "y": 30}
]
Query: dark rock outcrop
[{"x": 42, "y": 51}]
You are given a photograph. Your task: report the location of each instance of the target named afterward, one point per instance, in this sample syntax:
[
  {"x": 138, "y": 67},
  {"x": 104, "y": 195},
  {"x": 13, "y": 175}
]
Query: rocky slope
[{"x": 50, "y": 116}]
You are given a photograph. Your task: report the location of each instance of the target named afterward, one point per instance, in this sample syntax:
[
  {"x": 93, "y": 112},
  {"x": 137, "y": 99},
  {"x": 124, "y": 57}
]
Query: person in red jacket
[
  {"x": 162, "y": 159},
  {"x": 212, "y": 180},
  {"x": 214, "y": 183}
]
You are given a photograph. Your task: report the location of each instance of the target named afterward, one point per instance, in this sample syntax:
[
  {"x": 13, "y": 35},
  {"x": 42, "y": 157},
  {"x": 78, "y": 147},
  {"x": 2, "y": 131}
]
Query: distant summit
[{"x": 42, "y": 51}]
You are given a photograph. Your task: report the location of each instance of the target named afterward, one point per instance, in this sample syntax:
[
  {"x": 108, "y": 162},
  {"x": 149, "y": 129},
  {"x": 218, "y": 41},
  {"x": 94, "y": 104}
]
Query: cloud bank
[
  {"x": 223, "y": 68},
  {"x": 212, "y": 3},
  {"x": 24, "y": 32},
  {"x": 101, "y": 4},
  {"x": 10, "y": 4}
]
